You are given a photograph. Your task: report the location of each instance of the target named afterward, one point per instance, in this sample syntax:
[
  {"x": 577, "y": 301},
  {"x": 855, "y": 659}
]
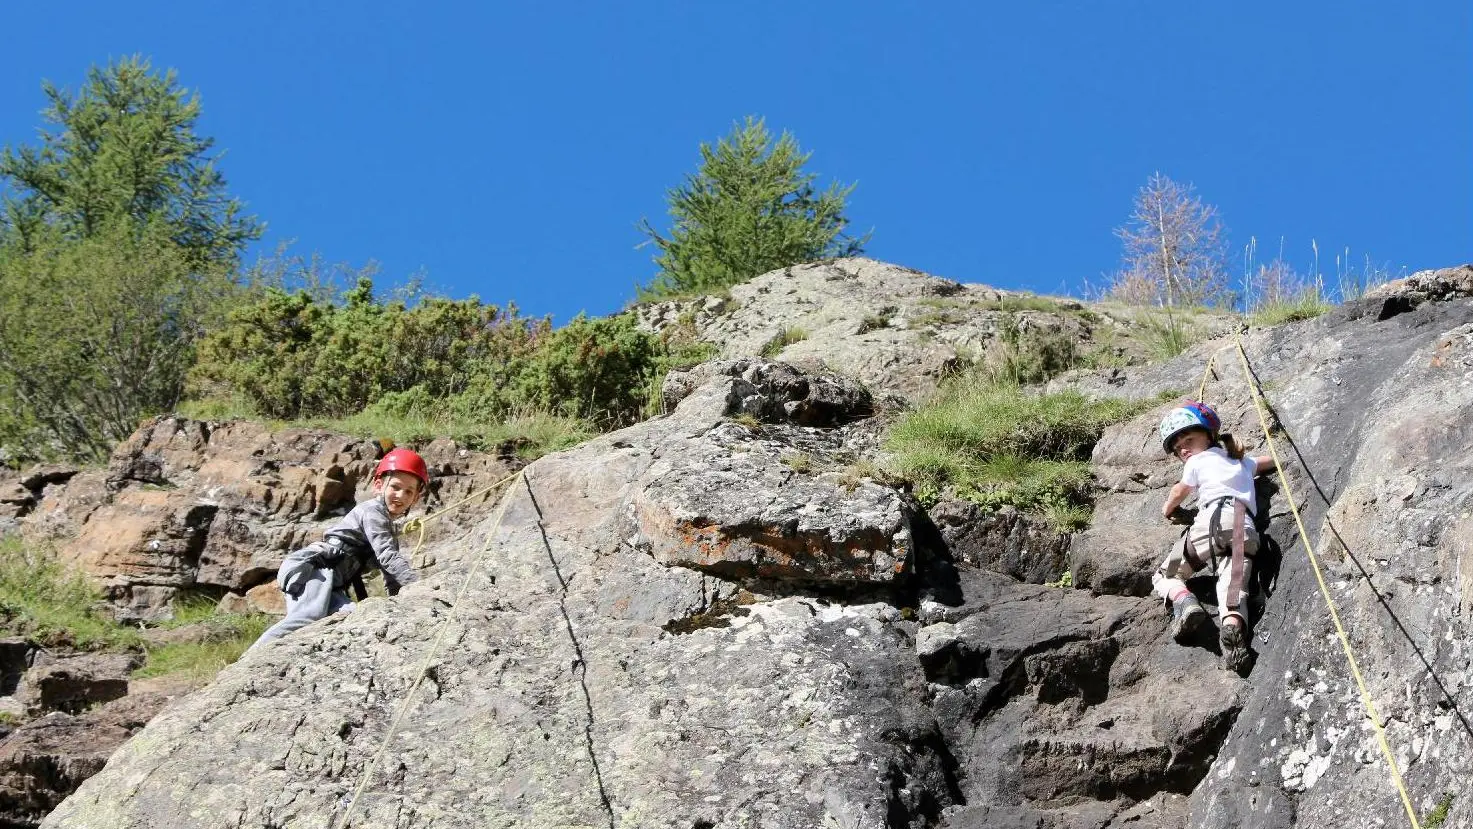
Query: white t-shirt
[{"x": 1215, "y": 475}]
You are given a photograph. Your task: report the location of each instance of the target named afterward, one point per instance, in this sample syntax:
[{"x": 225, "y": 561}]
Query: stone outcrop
[
  {"x": 187, "y": 505},
  {"x": 714, "y": 618},
  {"x": 46, "y": 759},
  {"x": 898, "y": 330}
]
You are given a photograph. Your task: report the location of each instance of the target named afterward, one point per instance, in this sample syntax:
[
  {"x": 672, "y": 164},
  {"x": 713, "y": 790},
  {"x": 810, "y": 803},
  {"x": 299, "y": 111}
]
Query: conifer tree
[
  {"x": 749, "y": 209},
  {"x": 1175, "y": 249},
  {"x": 123, "y": 149},
  {"x": 118, "y": 245}
]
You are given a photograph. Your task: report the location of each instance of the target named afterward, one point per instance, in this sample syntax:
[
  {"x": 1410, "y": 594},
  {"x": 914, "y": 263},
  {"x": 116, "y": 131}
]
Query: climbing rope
[
  {"x": 434, "y": 650},
  {"x": 1260, "y": 405},
  {"x": 417, "y": 525}
]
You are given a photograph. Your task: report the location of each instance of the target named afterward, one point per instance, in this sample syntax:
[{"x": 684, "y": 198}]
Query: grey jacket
[{"x": 364, "y": 540}]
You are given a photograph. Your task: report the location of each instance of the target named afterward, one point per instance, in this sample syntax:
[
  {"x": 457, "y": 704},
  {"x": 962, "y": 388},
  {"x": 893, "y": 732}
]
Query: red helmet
[{"x": 404, "y": 460}]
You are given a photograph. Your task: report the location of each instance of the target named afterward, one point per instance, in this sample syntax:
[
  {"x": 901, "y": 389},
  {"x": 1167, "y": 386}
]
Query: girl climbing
[{"x": 1222, "y": 537}]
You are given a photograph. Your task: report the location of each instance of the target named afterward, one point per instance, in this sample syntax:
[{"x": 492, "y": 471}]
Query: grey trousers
[{"x": 318, "y": 600}]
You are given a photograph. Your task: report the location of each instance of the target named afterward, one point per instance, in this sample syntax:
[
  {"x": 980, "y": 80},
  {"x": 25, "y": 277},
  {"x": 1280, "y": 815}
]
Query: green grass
[
  {"x": 41, "y": 600},
  {"x": 44, "y": 602},
  {"x": 1167, "y": 333},
  {"x": 1022, "y": 302},
  {"x": 1307, "y": 305},
  {"x": 995, "y": 444},
  {"x": 800, "y": 462},
  {"x": 228, "y": 637},
  {"x": 784, "y": 338},
  {"x": 1438, "y": 816}
]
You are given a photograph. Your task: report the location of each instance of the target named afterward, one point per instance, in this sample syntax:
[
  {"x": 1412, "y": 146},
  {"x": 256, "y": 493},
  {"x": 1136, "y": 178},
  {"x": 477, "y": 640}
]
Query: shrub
[
  {"x": 598, "y": 369},
  {"x": 294, "y": 356},
  {"x": 96, "y": 334}
]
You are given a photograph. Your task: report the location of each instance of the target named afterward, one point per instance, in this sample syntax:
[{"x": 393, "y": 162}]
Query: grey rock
[
  {"x": 46, "y": 759},
  {"x": 76, "y": 682},
  {"x": 1005, "y": 540},
  {"x": 896, "y": 330}
]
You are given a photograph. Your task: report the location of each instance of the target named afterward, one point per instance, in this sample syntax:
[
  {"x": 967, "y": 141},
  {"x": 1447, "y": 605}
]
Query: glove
[{"x": 293, "y": 575}]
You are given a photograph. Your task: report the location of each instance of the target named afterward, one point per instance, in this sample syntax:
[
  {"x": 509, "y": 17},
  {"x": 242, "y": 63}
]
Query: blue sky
[{"x": 509, "y": 149}]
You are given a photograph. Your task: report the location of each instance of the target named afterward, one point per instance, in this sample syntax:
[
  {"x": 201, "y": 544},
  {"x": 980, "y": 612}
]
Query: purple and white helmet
[{"x": 1189, "y": 415}]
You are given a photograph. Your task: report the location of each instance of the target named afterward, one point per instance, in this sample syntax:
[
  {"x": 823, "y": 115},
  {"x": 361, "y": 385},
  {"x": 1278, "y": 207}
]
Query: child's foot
[
  {"x": 1187, "y": 617},
  {"x": 1234, "y": 644}
]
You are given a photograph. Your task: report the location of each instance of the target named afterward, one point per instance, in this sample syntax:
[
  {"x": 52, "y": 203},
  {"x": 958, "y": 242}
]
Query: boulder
[
  {"x": 76, "y": 682},
  {"x": 577, "y": 657},
  {"x": 1004, "y": 540},
  {"x": 895, "y": 329},
  {"x": 45, "y": 760}
]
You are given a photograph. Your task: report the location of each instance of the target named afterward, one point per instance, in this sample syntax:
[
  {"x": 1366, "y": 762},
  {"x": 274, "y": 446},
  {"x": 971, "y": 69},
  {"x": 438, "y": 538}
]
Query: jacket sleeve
[{"x": 378, "y": 529}]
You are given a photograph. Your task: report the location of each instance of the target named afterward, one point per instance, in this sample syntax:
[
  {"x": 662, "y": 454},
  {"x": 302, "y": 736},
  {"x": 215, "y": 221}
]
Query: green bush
[
  {"x": 293, "y": 356},
  {"x": 993, "y": 443},
  {"x": 598, "y": 369},
  {"x": 96, "y": 334}
]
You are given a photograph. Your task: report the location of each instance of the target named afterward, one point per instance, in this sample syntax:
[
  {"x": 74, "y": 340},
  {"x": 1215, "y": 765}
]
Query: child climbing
[
  {"x": 315, "y": 578},
  {"x": 1222, "y": 537}
]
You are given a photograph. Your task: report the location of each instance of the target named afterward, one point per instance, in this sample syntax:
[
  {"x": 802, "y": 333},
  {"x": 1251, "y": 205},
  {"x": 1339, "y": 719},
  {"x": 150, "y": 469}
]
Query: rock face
[
  {"x": 898, "y": 330},
  {"x": 714, "y": 619},
  {"x": 212, "y": 508},
  {"x": 46, "y": 759}
]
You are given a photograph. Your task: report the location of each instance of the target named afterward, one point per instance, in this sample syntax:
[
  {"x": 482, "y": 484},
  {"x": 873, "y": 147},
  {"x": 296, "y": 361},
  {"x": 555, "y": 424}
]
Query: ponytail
[{"x": 1230, "y": 445}]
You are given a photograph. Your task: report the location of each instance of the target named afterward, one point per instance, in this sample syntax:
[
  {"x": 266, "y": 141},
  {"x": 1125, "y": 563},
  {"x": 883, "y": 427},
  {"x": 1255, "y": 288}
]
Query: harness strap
[
  {"x": 1196, "y": 562},
  {"x": 1235, "y": 580}
]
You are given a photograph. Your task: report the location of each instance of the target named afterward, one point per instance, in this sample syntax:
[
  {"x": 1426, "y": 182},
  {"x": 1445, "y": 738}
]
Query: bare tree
[{"x": 1175, "y": 249}]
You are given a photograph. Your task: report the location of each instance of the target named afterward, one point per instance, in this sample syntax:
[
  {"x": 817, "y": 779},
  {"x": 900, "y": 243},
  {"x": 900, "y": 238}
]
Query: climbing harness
[
  {"x": 1260, "y": 405},
  {"x": 423, "y": 670}
]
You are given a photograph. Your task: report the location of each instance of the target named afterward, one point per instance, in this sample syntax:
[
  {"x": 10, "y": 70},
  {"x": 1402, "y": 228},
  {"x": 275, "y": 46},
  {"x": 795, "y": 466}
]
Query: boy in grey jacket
[{"x": 315, "y": 578}]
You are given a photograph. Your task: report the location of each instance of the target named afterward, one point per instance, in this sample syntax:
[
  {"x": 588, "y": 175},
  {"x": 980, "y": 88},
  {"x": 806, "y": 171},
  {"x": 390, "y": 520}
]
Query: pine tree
[
  {"x": 124, "y": 149},
  {"x": 749, "y": 209},
  {"x": 118, "y": 246}
]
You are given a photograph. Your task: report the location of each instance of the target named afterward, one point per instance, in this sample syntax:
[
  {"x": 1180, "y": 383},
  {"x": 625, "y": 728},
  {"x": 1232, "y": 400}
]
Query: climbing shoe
[
  {"x": 1234, "y": 646},
  {"x": 1187, "y": 617}
]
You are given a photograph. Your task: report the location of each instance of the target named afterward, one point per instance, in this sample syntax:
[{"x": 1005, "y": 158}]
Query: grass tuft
[
  {"x": 993, "y": 443},
  {"x": 1277, "y": 312},
  {"x": 1438, "y": 815},
  {"x": 41, "y": 600},
  {"x": 783, "y": 339},
  {"x": 198, "y": 662}
]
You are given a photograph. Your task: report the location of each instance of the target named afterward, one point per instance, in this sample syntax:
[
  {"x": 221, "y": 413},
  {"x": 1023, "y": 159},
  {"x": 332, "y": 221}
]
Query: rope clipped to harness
[{"x": 417, "y": 525}]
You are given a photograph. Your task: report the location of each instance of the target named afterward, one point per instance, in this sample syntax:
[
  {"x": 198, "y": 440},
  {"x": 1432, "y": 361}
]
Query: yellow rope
[
  {"x": 1206, "y": 374},
  {"x": 430, "y": 655},
  {"x": 1259, "y": 405},
  {"x": 418, "y": 524}
]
